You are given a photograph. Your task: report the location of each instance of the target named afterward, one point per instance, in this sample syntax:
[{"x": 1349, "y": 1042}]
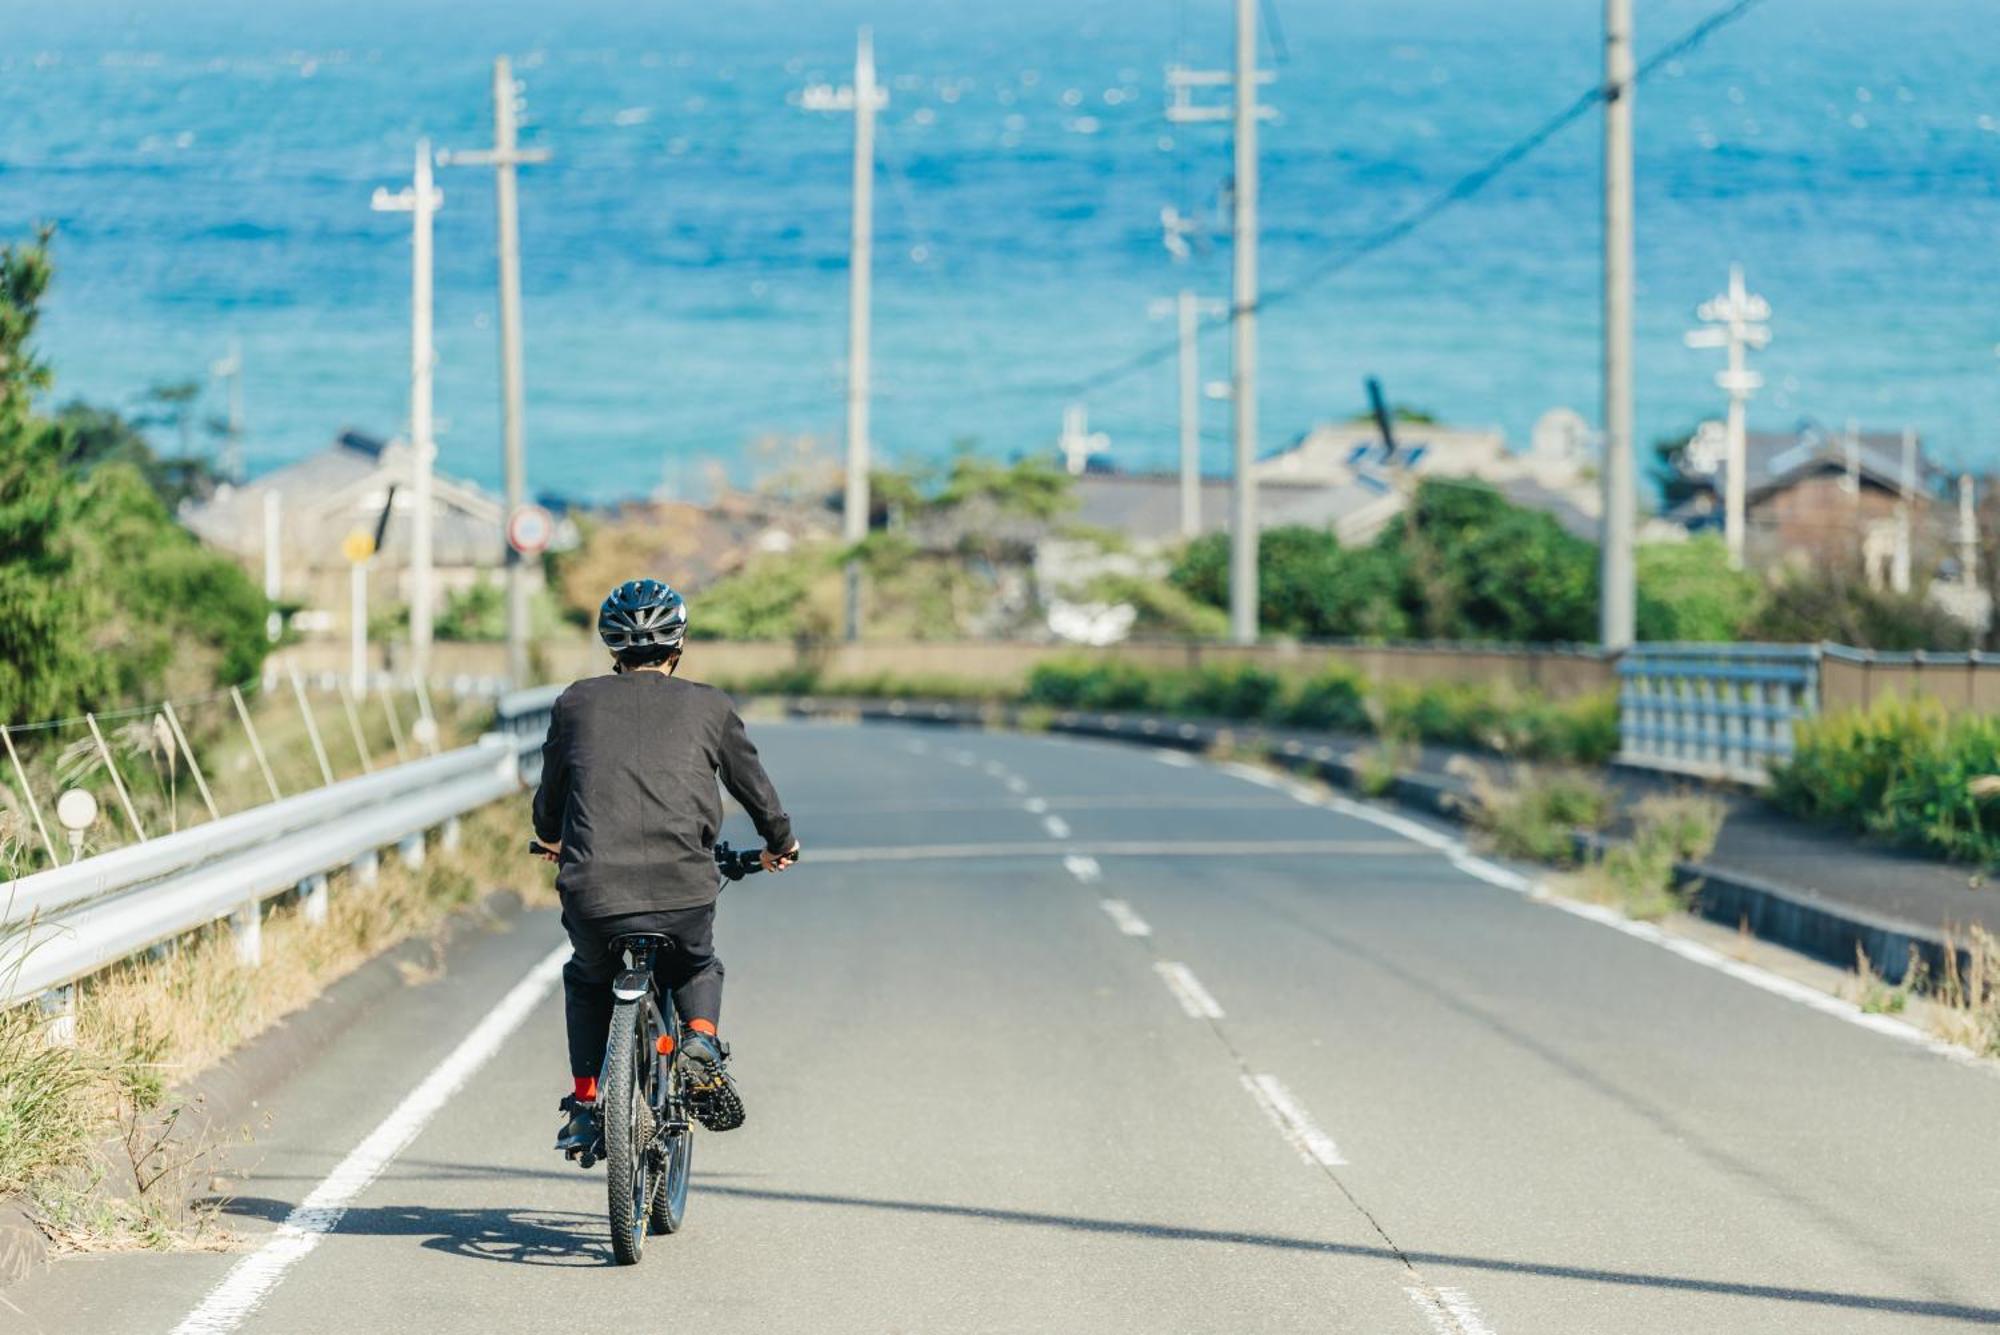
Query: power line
[{"x": 1461, "y": 190}]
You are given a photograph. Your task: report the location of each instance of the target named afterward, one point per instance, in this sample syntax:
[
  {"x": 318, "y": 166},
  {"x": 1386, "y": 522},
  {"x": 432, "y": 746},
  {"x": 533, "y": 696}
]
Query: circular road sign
[{"x": 530, "y": 529}]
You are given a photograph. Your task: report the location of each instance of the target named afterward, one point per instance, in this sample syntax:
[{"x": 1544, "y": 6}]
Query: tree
[
  {"x": 94, "y": 436},
  {"x": 1688, "y": 591},
  {"x": 103, "y": 597}
]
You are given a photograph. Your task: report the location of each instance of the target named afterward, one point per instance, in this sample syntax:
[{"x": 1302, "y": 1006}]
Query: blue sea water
[{"x": 209, "y": 163}]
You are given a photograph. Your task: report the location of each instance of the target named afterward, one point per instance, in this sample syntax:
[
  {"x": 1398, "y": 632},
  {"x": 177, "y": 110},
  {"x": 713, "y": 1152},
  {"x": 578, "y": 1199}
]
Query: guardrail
[
  {"x": 524, "y": 716},
  {"x": 1714, "y": 711},
  {"x": 60, "y": 925}
]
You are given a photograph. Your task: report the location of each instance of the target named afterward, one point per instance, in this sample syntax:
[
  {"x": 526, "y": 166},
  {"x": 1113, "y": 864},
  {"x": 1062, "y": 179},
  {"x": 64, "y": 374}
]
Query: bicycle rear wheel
[
  {"x": 628, "y": 1130},
  {"x": 677, "y": 1155}
]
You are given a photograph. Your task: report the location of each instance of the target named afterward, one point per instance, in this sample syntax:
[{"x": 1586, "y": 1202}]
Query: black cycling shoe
[
  {"x": 583, "y": 1134},
  {"x": 711, "y": 1094}
]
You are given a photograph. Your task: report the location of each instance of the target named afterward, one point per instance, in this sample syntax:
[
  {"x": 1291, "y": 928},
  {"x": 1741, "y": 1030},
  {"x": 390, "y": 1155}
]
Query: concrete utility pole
[
  {"x": 230, "y": 368},
  {"x": 274, "y": 621},
  {"x": 1243, "y": 364},
  {"x": 1899, "y": 568},
  {"x": 503, "y": 158},
  {"x": 1187, "y": 310},
  {"x": 421, "y": 200},
  {"x": 1617, "y": 595},
  {"x": 1244, "y": 113},
  {"x": 1735, "y": 321},
  {"x": 864, "y": 98},
  {"x": 1968, "y": 534}
]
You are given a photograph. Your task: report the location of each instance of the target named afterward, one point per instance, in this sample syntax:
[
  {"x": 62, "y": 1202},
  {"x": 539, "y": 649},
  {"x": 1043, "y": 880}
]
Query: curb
[
  {"x": 1783, "y": 915},
  {"x": 224, "y": 1099}
]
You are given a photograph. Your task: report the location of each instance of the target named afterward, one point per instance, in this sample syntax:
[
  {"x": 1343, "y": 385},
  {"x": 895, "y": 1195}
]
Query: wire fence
[{"x": 75, "y": 787}]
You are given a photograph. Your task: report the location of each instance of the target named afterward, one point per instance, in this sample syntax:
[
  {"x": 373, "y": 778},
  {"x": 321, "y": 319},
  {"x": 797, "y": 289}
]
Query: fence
[
  {"x": 60, "y": 925},
  {"x": 1714, "y": 711}
]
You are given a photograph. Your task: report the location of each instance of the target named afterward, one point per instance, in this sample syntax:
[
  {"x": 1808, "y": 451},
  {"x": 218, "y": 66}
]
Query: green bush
[
  {"x": 1334, "y": 700},
  {"x": 1906, "y": 771},
  {"x": 1087, "y": 684},
  {"x": 1234, "y": 691},
  {"x": 1687, "y": 591}
]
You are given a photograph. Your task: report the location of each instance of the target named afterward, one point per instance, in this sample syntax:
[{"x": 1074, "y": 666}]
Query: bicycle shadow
[{"x": 565, "y": 1239}]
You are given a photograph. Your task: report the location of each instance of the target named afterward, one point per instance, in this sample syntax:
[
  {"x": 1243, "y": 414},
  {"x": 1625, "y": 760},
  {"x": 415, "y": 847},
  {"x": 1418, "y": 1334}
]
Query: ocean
[{"x": 208, "y": 165}]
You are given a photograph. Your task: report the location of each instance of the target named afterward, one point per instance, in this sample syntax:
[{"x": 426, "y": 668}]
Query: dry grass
[
  {"x": 1534, "y": 814},
  {"x": 1638, "y": 875},
  {"x": 1965, "y": 1003},
  {"x": 92, "y": 1131}
]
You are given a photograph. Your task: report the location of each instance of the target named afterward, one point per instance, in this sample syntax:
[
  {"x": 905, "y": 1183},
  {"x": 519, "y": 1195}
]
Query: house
[
  {"x": 1816, "y": 497},
  {"x": 343, "y": 488},
  {"x": 1343, "y": 477}
]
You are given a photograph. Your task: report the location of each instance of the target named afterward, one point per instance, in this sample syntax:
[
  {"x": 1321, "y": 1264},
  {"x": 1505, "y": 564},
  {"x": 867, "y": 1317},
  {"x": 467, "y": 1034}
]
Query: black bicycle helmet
[{"x": 642, "y": 614}]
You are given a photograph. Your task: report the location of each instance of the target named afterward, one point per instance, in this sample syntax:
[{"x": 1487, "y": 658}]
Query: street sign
[
  {"x": 530, "y": 529},
  {"x": 357, "y": 546}
]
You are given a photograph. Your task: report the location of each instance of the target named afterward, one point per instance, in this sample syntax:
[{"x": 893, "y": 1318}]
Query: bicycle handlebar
[{"x": 733, "y": 863}]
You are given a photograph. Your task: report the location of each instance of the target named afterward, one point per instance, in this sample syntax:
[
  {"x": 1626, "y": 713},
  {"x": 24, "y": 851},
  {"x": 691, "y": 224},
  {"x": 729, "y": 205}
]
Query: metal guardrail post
[
  {"x": 246, "y": 925},
  {"x": 366, "y": 869},
  {"x": 313, "y": 900},
  {"x": 59, "y": 1006},
  {"x": 450, "y": 835},
  {"x": 410, "y": 849}
]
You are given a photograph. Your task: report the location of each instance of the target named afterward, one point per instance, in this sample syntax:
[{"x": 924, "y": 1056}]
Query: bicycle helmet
[{"x": 642, "y": 614}]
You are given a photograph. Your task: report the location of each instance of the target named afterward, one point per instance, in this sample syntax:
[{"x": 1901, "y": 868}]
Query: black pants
[{"x": 687, "y": 969}]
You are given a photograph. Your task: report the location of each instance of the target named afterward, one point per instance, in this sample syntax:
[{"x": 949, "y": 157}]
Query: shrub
[
  {"x": 1906, "y": 771},
  {"x": 1334, "y": 700},
  {"x": 1536, "y": 814},
  {"x": 1235, "y": 691},
  {"x": 1088, "y": 684}
]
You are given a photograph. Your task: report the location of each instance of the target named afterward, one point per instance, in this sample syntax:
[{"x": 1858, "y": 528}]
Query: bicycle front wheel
[{"x": 628, "y": 1131}]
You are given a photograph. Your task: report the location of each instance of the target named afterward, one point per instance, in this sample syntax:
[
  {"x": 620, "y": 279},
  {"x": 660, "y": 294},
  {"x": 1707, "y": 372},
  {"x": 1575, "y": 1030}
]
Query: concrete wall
[
  {"x": 1004, "y": 665},
  {"x": 1962, "y": 683}
]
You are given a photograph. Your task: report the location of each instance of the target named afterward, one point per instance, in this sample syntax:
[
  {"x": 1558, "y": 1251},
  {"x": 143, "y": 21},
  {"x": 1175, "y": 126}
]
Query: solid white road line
[
  {"x": 1057, "y": 827},
  {"x": 1121, "y": 913},
  {"x": 1178, "y": 759},
  {"x": 1084, "y": 868},
  {"x": 1196, "y": 1000},
  {"x": 252, "y": 1279},
  {"x": 1293, "y": 1122},
  {"x": 1449, "y": 1311}
]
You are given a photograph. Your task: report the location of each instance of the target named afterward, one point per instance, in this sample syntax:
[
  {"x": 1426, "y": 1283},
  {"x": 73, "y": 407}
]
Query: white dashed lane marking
[
  {"x": 1293, "y": 1121},
  {"x": 1449, "y": 1311},
  {"x": 1196, "y": 1000},
  {"x": 1084, "y": 868},
  {"x": 1128, "y": 922},
  {"x": 1057, "y": 827}
]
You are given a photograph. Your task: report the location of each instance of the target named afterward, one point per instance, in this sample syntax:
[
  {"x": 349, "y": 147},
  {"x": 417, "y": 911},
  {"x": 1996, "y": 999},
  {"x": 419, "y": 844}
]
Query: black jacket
[{"x": 628, "y": 785}]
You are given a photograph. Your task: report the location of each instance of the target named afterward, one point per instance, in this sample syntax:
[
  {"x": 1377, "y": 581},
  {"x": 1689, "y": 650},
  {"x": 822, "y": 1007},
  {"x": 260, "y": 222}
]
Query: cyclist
[{"x": 628, "y": 810}]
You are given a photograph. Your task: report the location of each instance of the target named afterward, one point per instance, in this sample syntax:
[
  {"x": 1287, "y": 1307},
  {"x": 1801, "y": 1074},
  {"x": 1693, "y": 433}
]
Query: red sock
[
  {"x": 586, "y": 1089},
  {"x": 703, "y": 1027}
]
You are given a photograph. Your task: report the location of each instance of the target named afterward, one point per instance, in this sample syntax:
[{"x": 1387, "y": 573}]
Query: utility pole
[
  {"x": 1617, "y": 595},
  {"x": 1735, "y": 321},
  {"x": 274, "y": 620},
  {"x": 503, "y": 158},
  {"x": 1244, "y": 114},
  {"x": 1187, "y": 310},
  {"x": 421, "y": 200},
  {"x": 1968, "y": 534},
  {"x": 230, "y": 368},
  {"x": 864, "y": 98},
  {"x": 1899, "y": 569}
]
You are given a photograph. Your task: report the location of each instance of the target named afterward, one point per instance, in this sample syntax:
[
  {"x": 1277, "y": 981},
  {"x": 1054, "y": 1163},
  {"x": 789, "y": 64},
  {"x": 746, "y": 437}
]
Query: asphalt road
[{"x": 1054, "y": 1035}]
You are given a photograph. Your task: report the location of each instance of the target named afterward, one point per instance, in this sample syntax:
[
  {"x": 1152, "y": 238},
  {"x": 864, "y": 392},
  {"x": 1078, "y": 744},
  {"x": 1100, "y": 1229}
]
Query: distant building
[
  {"x": 1821, "y": 498},
  {"x": 343, "y": 488},
  {"x": 1342, "y": 477}
]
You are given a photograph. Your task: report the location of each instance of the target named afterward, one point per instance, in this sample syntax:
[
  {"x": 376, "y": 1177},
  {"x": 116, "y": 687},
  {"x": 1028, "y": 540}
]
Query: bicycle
[{"x": 648, "y": 1143}]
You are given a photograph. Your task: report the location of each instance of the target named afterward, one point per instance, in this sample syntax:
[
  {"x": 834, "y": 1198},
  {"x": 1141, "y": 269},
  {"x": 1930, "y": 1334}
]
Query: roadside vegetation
[
  {"x": 95, "y": 1134},
  {"x": 104, "y": 598},
  {"x": 1904, "y": 771}
]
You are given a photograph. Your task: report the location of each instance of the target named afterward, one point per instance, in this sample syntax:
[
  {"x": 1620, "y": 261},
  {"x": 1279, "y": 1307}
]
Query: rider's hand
[
  {"x": 550, "y": 852},
  {"x": 779, "y": 861}
]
